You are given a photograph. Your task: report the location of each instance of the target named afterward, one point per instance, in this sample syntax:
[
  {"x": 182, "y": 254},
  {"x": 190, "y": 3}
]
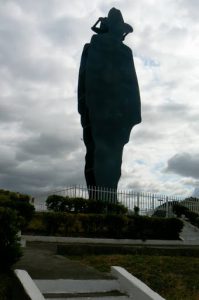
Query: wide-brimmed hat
[{"x": 115, "y": 20}]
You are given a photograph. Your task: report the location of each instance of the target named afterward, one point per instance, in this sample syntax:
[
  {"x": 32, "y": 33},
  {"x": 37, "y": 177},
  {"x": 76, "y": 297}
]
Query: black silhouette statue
[{"x": 108, "y": 99}]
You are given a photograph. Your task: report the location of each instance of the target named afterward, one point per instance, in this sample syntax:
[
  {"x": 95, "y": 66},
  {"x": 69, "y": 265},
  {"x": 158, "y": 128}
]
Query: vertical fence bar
[
  {"x": 153, "y": 204},
  {"x": 167, "y": 207},
  {"x": 129, "y": 200},
  {"x": 138, "y": 199},
  {"x": 75, "y": 191}
]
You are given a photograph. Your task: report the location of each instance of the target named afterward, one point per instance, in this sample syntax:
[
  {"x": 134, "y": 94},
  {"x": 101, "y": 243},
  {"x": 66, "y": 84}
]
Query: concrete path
[
  {"x": 56, "y": 277},
  {"x": 41, "y": 262}
]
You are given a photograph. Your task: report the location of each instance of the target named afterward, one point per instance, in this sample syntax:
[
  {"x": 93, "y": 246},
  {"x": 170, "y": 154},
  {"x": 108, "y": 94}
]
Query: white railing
[{"x": 148, "y": 203}]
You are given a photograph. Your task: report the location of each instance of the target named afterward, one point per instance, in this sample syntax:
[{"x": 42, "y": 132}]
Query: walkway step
[
  {"x": 125, "y": 287},
  {"x": 104, "y": 296},
  {"x": 76, "y": 286},
  {"x": 92, "y": 298},
  {"x": 62, "y": 289},
  {"x": 80, "y": 295}
]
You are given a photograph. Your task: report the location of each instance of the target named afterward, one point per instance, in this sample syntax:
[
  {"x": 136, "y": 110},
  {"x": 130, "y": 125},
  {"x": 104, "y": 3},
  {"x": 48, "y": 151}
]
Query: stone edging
[
  {"x": 28, "y": 284},
  {"x": 134, "y": 287},
  {"x": 68, "y": 240}
]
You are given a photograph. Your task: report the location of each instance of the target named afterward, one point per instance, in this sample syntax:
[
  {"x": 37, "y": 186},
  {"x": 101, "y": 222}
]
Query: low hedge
[
  {"x": 104, "y": 226},
  {"x": 59, "y": 203}
]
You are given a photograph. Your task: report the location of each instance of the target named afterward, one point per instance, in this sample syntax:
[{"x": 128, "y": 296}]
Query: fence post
[
  {"x": 153, "y": 204},
  {"x": 167, "y": 207},
  {"x": 75, "y": 191},
  {"x": 138, "y": 199}
]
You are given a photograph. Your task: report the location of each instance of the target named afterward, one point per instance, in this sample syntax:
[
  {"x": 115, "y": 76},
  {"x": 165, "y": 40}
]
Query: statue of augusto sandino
[{"x": 108, "y": 99}]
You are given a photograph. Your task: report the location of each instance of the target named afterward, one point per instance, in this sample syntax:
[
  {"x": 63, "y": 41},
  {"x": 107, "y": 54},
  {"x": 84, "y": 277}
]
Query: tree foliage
[
  {"x": 10, "y": 250},
  {"x": 18, "y": 202}
]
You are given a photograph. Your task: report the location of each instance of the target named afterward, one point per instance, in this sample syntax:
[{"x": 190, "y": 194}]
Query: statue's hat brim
[{"x": 115, "y": 19}]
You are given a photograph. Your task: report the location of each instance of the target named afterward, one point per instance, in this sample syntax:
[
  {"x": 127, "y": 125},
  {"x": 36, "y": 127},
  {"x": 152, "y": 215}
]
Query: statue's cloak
[{"x": 111, "y": 87}]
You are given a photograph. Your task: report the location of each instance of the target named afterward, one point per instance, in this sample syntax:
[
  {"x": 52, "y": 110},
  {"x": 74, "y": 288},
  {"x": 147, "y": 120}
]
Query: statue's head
[{"x": 116, "y": 25}]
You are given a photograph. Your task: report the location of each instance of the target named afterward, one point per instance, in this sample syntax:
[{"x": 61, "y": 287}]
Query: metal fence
[{"x": 148, "y": 203}]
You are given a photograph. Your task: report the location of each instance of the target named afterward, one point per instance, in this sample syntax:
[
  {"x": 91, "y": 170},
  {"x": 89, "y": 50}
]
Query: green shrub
[
  {"x": 10, "y": 250},
  {"x": 80, "y": 205},
  {"x": 142, "y": 227},
  {"x": 173, "y": 227},
  {"x": 36, "y": 225},
  {"x": 59, "y": 203},
  {"x": 96, "y": 207},
  {"x": 116, "y": 208},
  {"x": 53, "y": 222},
  {"x": 159, "y": 213},
  {"x": 20, "y": 203},
  {"x": 93, "y": 225},
  {"x": 192, "y": 216},
  {"x": 136, "y": 210},
  {"x": 179, "y": 210},
  {"x": 54, "y": 202},
  {"x": 106, "y": 225},
  {"x": 116, "y": 226}
]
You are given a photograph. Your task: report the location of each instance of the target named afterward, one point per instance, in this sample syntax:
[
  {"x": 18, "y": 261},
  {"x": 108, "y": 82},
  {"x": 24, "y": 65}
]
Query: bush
[
  {"x": 36, "y": 225},
  {"x": 54, "y": 202},
  {"x": 136, "y": 210},
  {"x": 95, "y": 207},
  {"x": 192, "y": 216},
  {"x": 10, "y": 250},
  {"x": 92, "y": 225},
  {"x": 117, "y": 226},
  {"x": 59, "y": 203},
  {"x": 107, "y": 225},
  {"x": 160, "y": 213},
  {"x": 53, "y": 222},
  {"x": 179, "y": 210},
  {"x": 143, "y": 227},
  {"x": 116, "y": 208},
  {"x": 173, "y": 227},
  {"x": 20, "y": 203}
]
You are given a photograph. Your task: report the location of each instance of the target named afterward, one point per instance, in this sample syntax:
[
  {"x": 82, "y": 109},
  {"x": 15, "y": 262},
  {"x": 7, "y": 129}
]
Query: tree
[
  {"x": 20, "y": 203},
  {"x": 10, "y": 249}
]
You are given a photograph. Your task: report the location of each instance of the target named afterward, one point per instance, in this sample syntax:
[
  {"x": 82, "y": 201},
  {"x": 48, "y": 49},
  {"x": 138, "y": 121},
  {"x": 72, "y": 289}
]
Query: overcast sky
[{"x": 41, "y": 147}]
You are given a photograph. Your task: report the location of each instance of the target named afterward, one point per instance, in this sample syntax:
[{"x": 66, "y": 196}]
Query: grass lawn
[{"x": 173, "y": 277}]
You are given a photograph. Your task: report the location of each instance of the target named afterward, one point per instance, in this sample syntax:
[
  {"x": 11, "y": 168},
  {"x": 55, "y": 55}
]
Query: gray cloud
[
  {"x": 64, "y": 32},
  {"x": 49, "y": 145},
  {"x": 184, "y": 164},
  {"x": 34, "y": 175},
  {"x": 191, "y": 8},
  {"x": 147, "y": 135}
]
